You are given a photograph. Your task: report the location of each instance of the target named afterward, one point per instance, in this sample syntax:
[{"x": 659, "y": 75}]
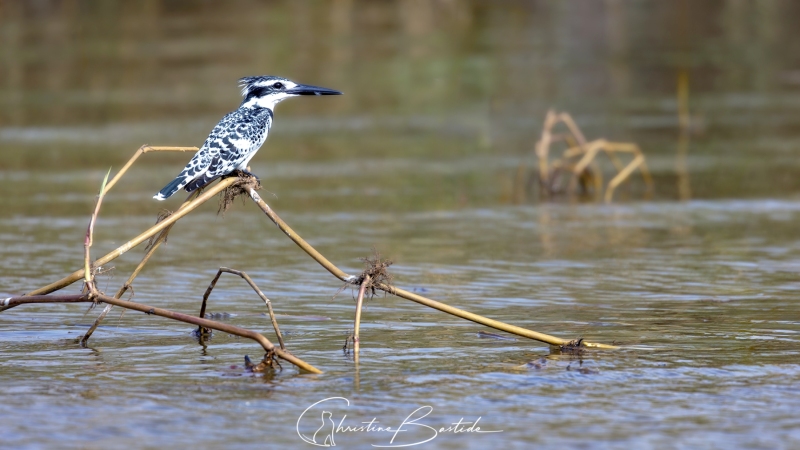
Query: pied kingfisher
[{"x": 239, "y": 135}]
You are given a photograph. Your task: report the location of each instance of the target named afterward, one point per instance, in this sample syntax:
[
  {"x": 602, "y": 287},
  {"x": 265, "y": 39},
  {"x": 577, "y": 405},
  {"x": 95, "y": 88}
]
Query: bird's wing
[
  {"x": 223, "y": 144},
  {"x": 231, "y": 145},
  {"x": 210, "y": 150},
  {"x": 231, "y": 141}
]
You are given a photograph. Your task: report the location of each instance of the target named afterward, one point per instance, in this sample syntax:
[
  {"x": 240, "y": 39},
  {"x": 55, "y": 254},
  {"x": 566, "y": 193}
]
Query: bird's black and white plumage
[{"x": 239, "y": 135}]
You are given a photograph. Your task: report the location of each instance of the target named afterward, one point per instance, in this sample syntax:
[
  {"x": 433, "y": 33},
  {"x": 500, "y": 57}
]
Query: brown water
[{"x": 442, "y": 103}]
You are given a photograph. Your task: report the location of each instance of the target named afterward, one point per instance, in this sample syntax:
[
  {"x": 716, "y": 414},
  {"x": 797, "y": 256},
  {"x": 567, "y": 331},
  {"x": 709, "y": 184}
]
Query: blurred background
[
  {"x": 427, "y": 157},
  {"x": 444, "y": 99}
]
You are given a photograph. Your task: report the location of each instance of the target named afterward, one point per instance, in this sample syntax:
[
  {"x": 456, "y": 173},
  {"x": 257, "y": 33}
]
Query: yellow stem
[
  {"x": 338, "y": 273},
  {"x": 357, "y": 324}
]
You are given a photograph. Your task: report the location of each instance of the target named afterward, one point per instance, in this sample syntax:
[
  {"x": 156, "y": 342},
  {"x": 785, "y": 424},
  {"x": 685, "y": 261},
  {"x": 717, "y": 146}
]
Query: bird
[{"x": 240, "y": 133}]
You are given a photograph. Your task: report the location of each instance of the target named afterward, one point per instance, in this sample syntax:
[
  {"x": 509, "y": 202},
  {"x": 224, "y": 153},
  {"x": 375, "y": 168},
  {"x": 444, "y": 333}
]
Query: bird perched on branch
[{"x": 238, "y": 136}]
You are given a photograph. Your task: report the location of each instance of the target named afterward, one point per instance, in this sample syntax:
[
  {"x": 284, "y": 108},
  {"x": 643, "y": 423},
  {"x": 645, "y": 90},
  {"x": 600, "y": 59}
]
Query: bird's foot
[{"x": 246, "y": 173}]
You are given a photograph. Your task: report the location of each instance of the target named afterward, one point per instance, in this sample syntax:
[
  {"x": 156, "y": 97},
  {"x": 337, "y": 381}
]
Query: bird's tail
[
  {"x": 171, "y": 188},
  {"x": 200, "y": 182}
]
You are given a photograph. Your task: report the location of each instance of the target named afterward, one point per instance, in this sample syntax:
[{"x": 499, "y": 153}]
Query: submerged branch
[{"x": 225, "y": 328}]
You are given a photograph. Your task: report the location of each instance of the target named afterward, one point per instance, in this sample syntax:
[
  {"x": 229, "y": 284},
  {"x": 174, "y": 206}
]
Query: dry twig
[
  {"x": 252, "y": 284},
  {"x": 366, "y": 282},
  {"x": 88, "y": 270}
]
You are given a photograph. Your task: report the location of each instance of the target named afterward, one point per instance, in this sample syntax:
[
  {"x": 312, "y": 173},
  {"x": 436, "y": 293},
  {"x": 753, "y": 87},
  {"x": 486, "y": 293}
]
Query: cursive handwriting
[{"x": 320, "y": 418}]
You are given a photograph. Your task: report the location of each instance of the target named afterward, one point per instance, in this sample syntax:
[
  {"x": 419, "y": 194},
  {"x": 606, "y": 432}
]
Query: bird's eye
[{"x": 278, "y": 85}]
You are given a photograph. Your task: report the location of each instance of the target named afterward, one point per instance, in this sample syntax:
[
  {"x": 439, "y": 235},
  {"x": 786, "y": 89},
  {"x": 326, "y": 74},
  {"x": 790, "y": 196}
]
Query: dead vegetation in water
[
  {"x": 375, "y": 277},
  {"x": 240, "y": 189},
  {"x": 574, "y": 347},
  {"x": 269, "y": 363},
  {"x": 576, "y": 170},
  {"x": 376, "y": 273}
]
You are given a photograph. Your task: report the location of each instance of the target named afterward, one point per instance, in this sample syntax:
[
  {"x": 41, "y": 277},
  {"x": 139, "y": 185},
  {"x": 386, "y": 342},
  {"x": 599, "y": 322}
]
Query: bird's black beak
[{"x": 305, "y": 89}]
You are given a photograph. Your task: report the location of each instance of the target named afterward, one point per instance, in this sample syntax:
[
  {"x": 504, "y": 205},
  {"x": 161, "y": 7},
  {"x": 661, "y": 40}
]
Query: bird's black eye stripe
[
  {"x": 278, "y": 85},
  {"x": 257, "y": 92}
]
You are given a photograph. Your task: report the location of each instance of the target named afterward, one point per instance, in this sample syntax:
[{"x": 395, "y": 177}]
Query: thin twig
[
  {"x": 142, "y": 150},
  {"x": 255, "y": 288},
  {"x": 88, "y": 273}
]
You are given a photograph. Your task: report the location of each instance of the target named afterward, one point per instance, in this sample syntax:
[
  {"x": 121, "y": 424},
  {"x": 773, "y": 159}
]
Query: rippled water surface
[{"x": 419, "y": 160}]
